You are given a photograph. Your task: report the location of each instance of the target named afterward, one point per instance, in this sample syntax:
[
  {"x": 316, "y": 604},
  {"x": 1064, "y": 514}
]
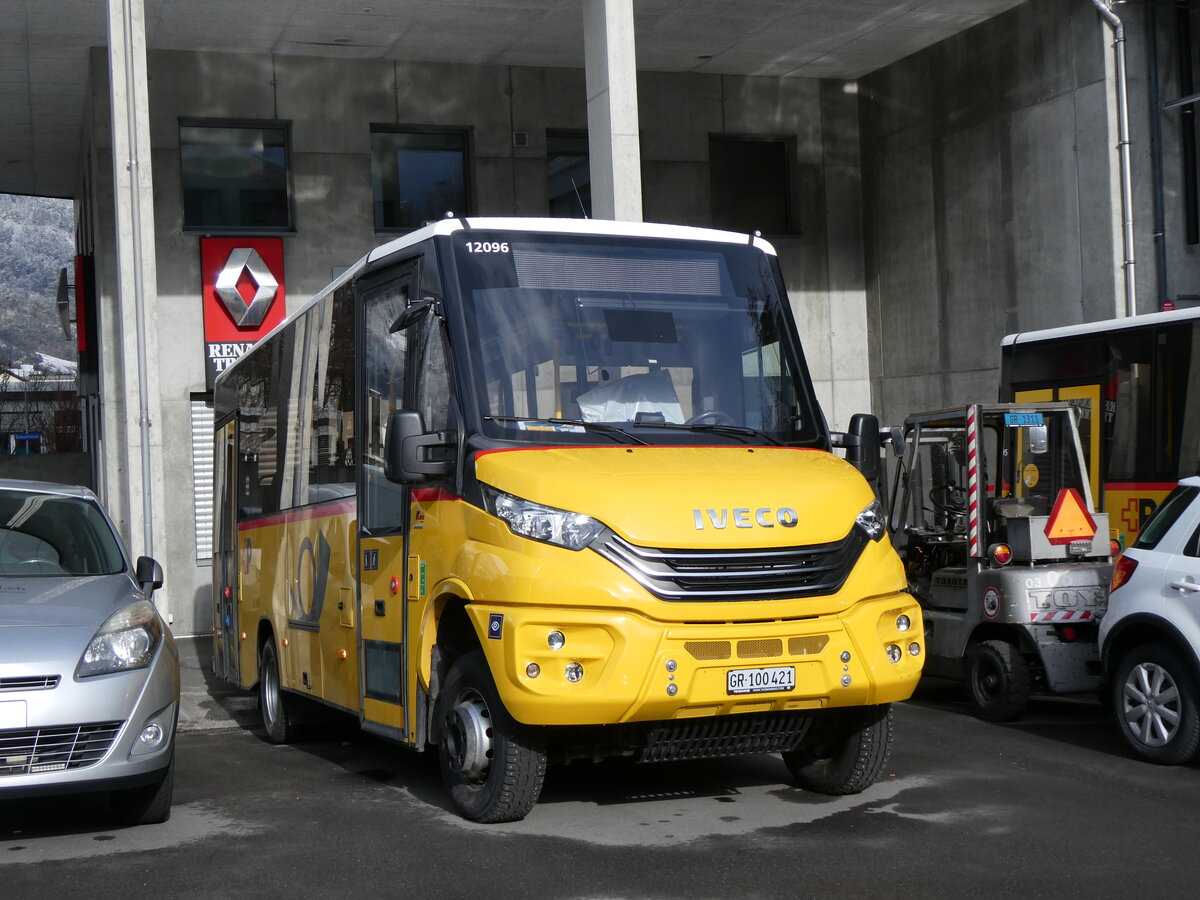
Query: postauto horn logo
[{"x": 245, "y": 260}]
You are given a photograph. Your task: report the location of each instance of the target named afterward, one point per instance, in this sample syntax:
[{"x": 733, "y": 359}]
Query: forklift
[{"x": 993, "y": 514}]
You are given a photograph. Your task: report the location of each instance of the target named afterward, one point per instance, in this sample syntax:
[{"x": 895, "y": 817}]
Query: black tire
[
  {"x": 493, "y": 767},
  {"x": 149, "y": 804},
  {"x": 999, "y": 681},
  {"x": 844, "y": 752},
  {"x": 1155, "y": 702},
  {"x": 277, "y": 706}
]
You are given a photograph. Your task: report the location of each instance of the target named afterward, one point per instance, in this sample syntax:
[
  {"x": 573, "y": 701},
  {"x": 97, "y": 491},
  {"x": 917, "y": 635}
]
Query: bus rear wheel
[
  {"x": 278, "y": 707},
  {"x": 845, "y": 750},
  {"x": 493, "y": 767}
]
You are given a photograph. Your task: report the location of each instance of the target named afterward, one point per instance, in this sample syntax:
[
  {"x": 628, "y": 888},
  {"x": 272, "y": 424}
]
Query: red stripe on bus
[
  {"x": 429, "y": 495},
  {"x": 1140, "y": 485},
  {"x": 320, "y": 511}
]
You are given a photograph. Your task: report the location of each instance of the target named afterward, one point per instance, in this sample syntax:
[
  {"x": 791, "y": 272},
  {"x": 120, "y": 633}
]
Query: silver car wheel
[{"x": 1151, "y": 704}]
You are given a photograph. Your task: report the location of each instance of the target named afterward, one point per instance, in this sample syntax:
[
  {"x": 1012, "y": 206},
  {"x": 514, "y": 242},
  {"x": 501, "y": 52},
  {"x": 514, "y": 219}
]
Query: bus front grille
[
  {"x": 725, "y": 736},
  {"x": 774, "y": 573}
]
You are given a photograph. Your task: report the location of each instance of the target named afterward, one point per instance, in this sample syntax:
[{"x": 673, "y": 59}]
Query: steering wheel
[
  {"x": 949, "y": 498},
  {"x": 714, "y": 417}
]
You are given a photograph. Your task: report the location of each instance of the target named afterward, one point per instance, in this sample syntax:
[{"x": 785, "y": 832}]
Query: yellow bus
[
  {"x": 528, "y": 491},
  {"x": 1131, "y": 379}
]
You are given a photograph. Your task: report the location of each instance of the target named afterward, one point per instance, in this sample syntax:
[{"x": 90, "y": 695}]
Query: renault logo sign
[{"x": 246, "y": 261}]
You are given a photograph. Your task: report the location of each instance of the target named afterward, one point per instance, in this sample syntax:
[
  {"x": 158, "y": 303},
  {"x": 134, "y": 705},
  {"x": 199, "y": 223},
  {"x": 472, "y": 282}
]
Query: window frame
[
  {"x": 788, "y": 145},
  {"x": 285, "y": 127},
  {"x": 466, "y": 133}
]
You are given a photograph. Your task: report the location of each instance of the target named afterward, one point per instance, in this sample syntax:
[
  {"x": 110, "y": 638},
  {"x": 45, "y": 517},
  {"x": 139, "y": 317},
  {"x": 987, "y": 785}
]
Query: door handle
[{"x": 1187, "y": 586}]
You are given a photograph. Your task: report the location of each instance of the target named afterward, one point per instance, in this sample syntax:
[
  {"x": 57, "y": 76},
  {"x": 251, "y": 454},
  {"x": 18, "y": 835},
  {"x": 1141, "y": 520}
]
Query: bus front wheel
[
  {"x": 845, "y": 751},
  {"x": 492, "y": 766}
]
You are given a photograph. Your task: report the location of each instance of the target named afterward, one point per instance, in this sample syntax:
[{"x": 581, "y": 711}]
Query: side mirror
[
  {"x": 897, "y": 437},
  {"x": 406, "y": 449},
  {"x": 149, "y": 574},
  {"x": 863, "y": 445}
]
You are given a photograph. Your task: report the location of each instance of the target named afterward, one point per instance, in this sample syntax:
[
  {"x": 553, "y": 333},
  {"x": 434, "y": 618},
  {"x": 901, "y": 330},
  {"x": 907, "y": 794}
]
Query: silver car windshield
[
  {"x": 51, "y": 535},
  {"x": 578, "y": 337}
]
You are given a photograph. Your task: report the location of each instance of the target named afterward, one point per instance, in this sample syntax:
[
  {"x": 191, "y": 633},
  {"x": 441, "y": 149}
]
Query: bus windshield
[{"x": 646, "y": 340}]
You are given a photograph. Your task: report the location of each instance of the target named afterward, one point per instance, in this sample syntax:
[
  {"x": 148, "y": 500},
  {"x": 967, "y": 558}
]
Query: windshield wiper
[
  {"x": 600, "y": 427},
  {"x": 720, "y": 428}
]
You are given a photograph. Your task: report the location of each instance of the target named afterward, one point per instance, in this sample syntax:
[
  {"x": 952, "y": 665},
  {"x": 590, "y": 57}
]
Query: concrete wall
[
  {"x": 331, "y": 105},
  {"x": 57, "y": 468},
  {"x": 989, "y": 198}
]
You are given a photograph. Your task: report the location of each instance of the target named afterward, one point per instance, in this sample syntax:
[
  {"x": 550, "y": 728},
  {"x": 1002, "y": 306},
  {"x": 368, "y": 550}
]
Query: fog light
[
  {"x": 151, "y": 735},
  {"x": 574, "y": 672},
  {"x": 903, "y": 623},
  {"x": 914, "y": 648},
  {"x": 533, "y": 670},
  {"x": 556, "y": 640},
  {"x": 894, "y": 653}
]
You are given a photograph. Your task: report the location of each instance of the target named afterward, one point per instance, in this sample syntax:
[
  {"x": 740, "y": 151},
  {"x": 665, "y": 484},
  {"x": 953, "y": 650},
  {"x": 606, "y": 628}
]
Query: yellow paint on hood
[{"x": 680, "y": 496}]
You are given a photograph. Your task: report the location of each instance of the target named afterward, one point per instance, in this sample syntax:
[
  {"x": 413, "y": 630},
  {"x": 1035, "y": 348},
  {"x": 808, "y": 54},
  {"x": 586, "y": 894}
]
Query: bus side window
[{"x": 385, "y": 355}]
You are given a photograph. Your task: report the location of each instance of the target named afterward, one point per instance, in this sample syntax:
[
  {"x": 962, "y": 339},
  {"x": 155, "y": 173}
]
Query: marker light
[
  {"x": 1001, "y": 554},
  {"x": 574, "y": 672},
  {"x": 914, "y": 648},
  {"x": 533, "y": 670},
  {"x": 556, "y": 640}
]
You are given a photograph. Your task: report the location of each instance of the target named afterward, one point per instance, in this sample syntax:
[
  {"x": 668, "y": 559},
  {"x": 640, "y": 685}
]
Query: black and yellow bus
[{"x": 1137, "y": 383}]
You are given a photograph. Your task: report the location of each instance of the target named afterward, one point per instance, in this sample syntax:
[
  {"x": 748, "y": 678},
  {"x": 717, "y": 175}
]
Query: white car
[
  {"x": 1150, "y": 636},
  {"x": 89, "y": 672}
]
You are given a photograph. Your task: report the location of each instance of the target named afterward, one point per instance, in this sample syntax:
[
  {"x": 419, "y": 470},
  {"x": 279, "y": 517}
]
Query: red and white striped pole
[{"x": 973, "y": 498}]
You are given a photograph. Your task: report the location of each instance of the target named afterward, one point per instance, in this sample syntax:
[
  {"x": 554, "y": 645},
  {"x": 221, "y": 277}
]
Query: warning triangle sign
[{"x": 1070, "y": 519}]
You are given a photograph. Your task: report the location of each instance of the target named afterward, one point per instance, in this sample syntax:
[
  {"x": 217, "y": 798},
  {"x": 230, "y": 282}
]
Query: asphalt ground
[{"x": 1050, "y": 806}]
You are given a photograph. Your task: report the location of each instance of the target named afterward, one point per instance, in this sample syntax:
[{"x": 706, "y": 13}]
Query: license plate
[
  {"x": 12, "y": 714},
  {"x": 761, "y": 681}
]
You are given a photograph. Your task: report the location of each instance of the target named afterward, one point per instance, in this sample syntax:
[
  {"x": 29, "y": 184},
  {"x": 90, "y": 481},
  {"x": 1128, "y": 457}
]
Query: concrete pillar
[
  {"x": 131, "y": 404},
  {"x": 614, "y": 154}
]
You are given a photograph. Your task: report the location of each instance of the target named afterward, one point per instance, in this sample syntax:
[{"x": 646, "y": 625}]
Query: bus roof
[
  {"x": 605, "y": 227},
  {"x": 1086, "y": 328}
]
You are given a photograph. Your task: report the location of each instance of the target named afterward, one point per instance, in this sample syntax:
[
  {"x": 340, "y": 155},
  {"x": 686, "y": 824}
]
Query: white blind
[{"x": 202, "y": 477}]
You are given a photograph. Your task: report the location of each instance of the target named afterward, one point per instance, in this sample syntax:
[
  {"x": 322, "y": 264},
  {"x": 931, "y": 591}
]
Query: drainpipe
[{"x": 1104, "y": 7}]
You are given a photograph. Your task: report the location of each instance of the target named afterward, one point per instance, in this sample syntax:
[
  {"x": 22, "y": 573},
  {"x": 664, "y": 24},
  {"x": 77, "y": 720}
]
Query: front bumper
[
  {"x": 82, "y": 734},
  {"x": 636, "y": 669}
]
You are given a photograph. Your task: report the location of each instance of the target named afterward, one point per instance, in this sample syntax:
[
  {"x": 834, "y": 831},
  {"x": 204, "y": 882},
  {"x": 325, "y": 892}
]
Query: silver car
[{"x": 89, "y": 672}]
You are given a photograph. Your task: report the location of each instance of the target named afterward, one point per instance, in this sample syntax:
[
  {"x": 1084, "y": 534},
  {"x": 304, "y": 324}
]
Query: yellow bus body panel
[{"x": 633, "y": 646}]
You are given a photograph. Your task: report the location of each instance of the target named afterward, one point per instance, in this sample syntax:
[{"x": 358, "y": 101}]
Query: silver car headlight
[
  {"x": 541, "y": 523},
  {"x": 871, "y": 521},
  {"x": 126, "y": 641}
]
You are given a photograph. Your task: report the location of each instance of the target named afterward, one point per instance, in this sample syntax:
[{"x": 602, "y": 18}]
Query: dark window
[
  {"x": 750, "y": 187},
  {"x": 385, "y": 355},
  {"x": 417, "y": 176},
  {"x": 235, "y": 178},
  {"x": 568, "y": 175},
  {"x": 1164, "y": 516}
]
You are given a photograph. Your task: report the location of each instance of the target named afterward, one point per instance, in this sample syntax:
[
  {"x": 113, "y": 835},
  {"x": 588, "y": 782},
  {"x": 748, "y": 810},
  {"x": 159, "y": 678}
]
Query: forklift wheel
[{"x": 999, "y": 681}]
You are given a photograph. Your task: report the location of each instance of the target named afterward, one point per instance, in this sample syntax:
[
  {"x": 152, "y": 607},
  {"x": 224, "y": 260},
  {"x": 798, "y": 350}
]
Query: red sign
[{"x": 244, "y": 297}]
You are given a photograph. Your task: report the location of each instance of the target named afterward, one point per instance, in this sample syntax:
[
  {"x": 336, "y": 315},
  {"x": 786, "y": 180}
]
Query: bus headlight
[
  {"x": 541, "y": 523},
  {"x": 871, "y": 521}
]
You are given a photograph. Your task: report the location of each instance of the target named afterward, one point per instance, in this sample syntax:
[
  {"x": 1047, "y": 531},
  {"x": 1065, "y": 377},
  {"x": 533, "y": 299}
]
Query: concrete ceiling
[{"x": 44, "y": 46}]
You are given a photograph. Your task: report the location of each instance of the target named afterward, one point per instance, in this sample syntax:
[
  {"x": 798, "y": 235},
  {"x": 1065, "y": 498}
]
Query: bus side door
[
  {"x": 226, "y": 576},
  {"x": 383, "y": 505}
]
